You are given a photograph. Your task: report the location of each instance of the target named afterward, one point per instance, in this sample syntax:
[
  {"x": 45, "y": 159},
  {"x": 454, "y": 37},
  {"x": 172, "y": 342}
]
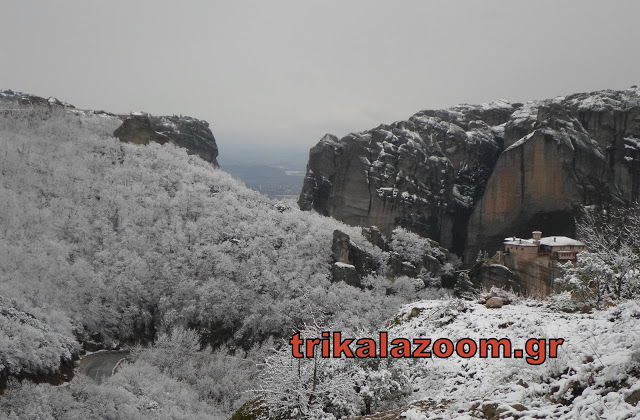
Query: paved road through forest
[{"x": 99, "y": 366}]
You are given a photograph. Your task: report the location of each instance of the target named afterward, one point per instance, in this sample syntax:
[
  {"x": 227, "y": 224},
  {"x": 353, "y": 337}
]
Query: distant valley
[
  {"x": 277, "y": 172},
  {"x": 268, "y": 180}
]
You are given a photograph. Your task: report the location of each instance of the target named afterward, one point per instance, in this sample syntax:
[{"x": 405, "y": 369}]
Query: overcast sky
[{"x": 286, "y": 72}]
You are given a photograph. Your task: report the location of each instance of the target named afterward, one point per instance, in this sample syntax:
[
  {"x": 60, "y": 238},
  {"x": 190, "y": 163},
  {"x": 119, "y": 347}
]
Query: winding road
[{"x": 99, "y": 366}]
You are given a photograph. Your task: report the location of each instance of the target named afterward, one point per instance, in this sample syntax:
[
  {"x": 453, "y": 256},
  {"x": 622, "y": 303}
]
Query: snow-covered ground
[{"x": 596, "y": 373}]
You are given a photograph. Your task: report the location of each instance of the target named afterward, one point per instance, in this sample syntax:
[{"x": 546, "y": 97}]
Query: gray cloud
[{"x": 286, "y": 72}]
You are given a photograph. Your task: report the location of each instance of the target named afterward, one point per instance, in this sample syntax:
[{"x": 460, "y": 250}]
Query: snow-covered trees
[
  {"x": 307, "y": 387},
  {"x": 117, "y": 243},
  {"x": 591, "y": 281},
  {"x": 132, "y": 240},
  {"x": 174, "y": 379},
  {"x": 33, "y": 342},
  {"x": 413, "y": 247},
  {"x": 611, "y": 268},
  {"x": 327, "y": 387}
]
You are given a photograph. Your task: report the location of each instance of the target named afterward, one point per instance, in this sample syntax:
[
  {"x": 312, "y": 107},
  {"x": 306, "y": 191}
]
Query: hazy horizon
[{"x": 281, "y": 74}]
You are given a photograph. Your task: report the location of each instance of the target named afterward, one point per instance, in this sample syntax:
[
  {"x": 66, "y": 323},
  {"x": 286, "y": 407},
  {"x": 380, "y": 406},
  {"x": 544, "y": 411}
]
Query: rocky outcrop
[
  {"x": 470, "y": 175},
  {"x": 403, "y": 254},
  {"x": 11, "y": 99},
  {"x": 190, "y": 133},
  {"x": 488, "y": 276},
  {"x": 375, "y": 237},
  {"x": 423, "y": 258},
  {"x": 350, "y": 262},
  {"x": 137, "y": 128},
  {"x": 494, "y": 302}
]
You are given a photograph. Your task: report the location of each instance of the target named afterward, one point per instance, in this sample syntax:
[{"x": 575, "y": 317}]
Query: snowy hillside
[
  {"x": 105, "y": 243},
  {"x": 544, "y": 360},
  {"x": 596, "y": 373}
]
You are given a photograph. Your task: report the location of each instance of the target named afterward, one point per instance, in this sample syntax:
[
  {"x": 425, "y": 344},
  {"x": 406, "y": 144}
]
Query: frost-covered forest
[{"x": 105, "y": 243}]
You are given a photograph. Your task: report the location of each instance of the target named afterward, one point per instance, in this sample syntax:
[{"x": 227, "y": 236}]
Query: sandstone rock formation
[
  {"x": 351, "y": 263},
  {"x": 190, "y": 133},
  {"x": 488, "y": 276},
  {"x": 405, "y": 254},
  {"x": 471, "y": 175},
  {"x": 374, "y": 236}
]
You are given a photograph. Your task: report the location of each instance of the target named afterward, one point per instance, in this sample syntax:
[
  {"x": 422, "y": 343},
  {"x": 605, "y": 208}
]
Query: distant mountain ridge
[{"x": 469, "y": 175}]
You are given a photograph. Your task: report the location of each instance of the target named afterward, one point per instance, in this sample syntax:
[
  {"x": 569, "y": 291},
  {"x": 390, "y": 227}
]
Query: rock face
[
  {"x": 374, "y": 236},
  {"x": 488, "y": 276},
  {"x": 350, "y": 262},
  {"x": 469, "y": 176},
  {"x": 405, "y": 254},
  {"x": 423, "y": 174},
  {"x": 581, "y": 150},
  {"x": 190, "y": 133}
]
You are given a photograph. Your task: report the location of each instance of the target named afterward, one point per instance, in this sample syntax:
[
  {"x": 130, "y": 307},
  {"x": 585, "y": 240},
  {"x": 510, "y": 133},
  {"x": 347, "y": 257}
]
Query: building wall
[
  {"x": 523, "y": 252},
  {"x": 535, "y": 272}
]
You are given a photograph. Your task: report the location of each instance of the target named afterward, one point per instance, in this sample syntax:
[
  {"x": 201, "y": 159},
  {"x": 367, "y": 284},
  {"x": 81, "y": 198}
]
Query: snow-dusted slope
[{"x": 596, "y": 373}]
